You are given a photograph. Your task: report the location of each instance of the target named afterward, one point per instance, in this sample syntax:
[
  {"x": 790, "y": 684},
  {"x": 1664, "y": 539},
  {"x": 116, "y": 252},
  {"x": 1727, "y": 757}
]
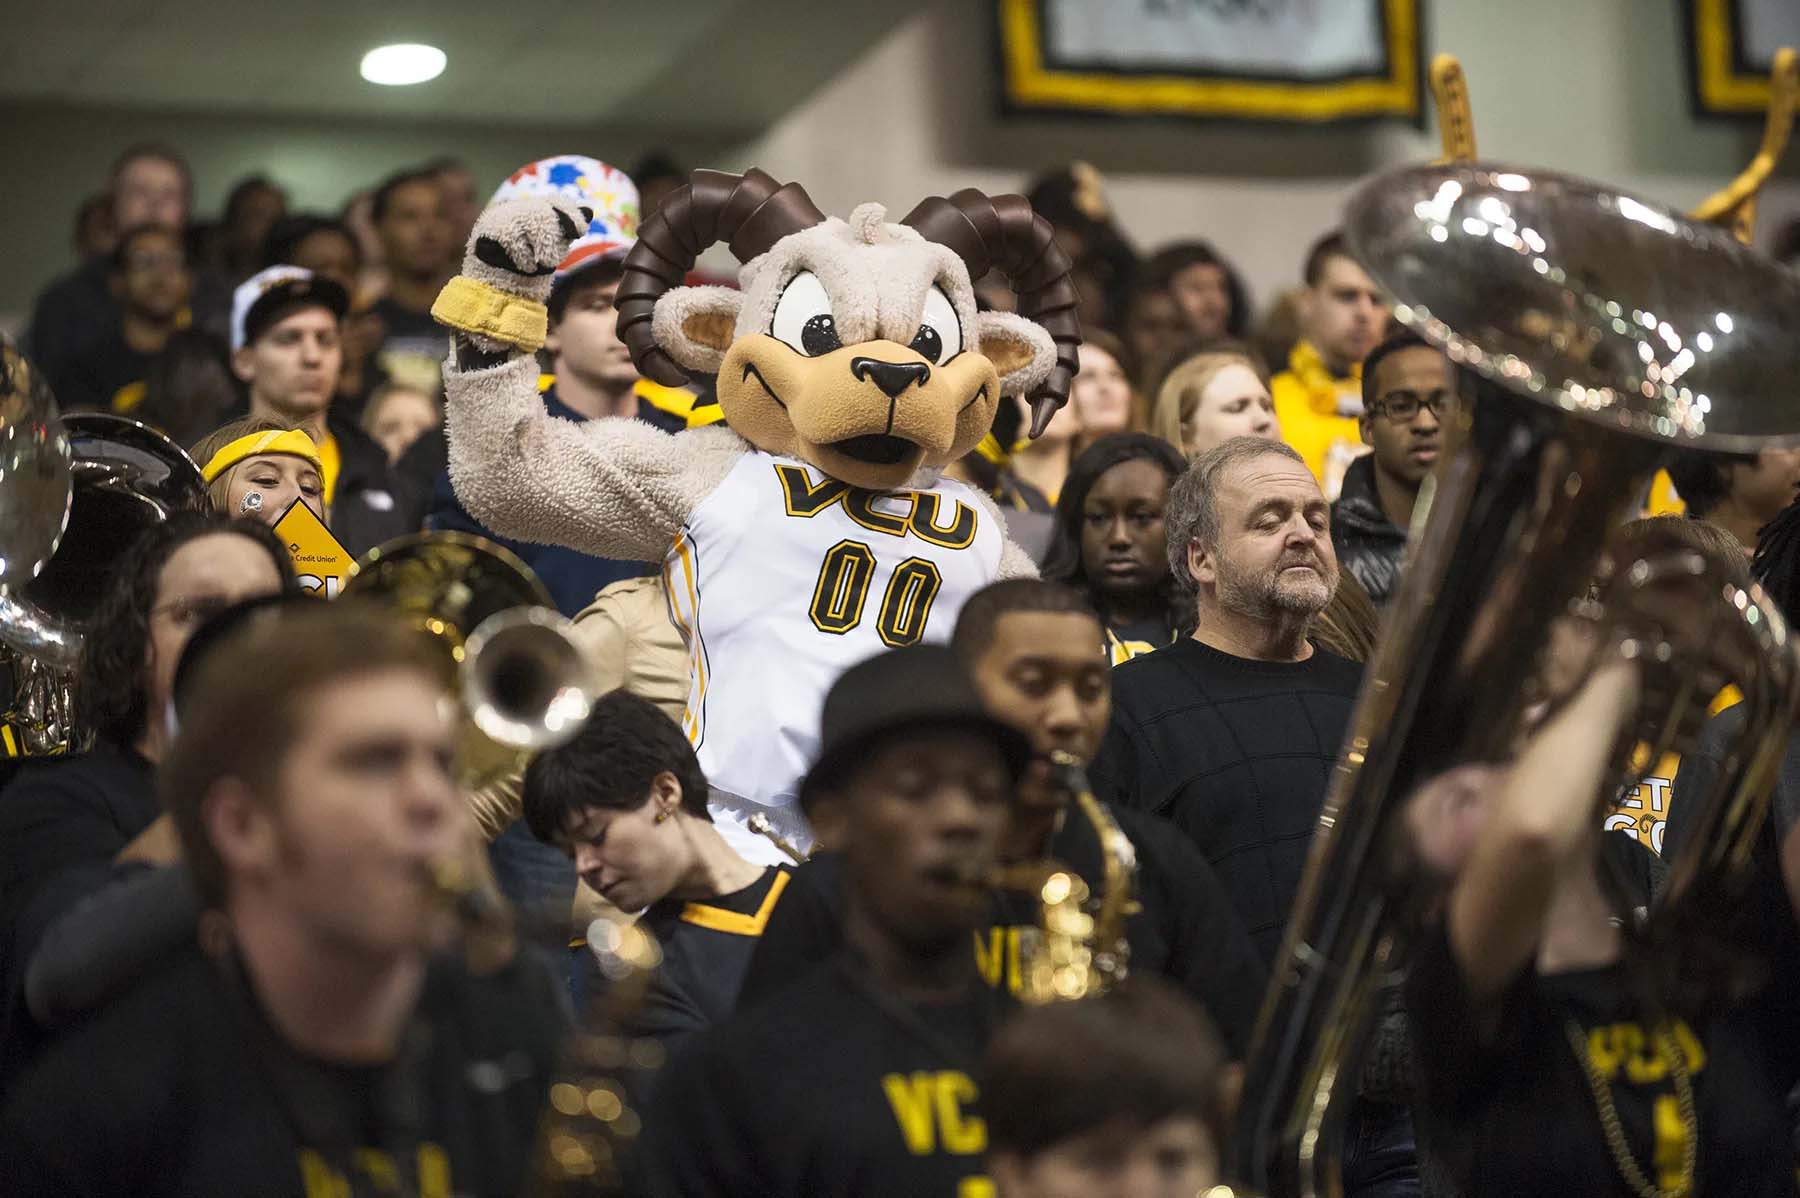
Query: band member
[
  {"x": 311, "y": 1043},
  {"x": 1124, "y": 1095},
  {"x": 879, "y": 1095},
  {"x": 71, "y": 827},
  {"x": 627, "y": 801},
  {"x": 1556, "y": 1055},
  {"x": 1032, "y": 650}
]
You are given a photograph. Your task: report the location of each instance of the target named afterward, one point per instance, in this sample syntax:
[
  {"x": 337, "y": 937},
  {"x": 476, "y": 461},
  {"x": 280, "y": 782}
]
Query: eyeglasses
[{"x": 1403, "y": 406}]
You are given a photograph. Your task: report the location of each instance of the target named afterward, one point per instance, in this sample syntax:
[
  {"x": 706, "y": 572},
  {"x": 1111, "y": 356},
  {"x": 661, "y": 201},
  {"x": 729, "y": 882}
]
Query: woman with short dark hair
[{"x": 625, "y": 798}]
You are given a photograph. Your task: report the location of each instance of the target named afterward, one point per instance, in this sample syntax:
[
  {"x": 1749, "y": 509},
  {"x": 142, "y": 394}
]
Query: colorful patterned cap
[{"x": 603, "y": 189}]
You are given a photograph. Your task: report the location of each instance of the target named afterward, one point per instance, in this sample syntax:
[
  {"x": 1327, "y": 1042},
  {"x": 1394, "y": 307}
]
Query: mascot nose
[{"x": 891, "y": 377}]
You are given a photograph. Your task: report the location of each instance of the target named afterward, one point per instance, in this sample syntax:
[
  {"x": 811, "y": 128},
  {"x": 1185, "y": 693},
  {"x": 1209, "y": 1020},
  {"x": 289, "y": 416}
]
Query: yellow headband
[{"x": 290, "y": 441}]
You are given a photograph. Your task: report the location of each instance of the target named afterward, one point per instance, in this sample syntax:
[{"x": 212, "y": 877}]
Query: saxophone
[
  {"x": 1083, "y": 951},
  {"x": 592, "y": 1123}
]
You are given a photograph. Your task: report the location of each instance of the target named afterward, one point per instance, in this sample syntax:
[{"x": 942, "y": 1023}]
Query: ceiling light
[{"x": 397, "y": 66}]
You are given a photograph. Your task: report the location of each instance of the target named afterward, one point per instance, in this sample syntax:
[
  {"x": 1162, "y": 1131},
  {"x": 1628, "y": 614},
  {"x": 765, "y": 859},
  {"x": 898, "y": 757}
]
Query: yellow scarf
[{"x": 1326, "y": 393}]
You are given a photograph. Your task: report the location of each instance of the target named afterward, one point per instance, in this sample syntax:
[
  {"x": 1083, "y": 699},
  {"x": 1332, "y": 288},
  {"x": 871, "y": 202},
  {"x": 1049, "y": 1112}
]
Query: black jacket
[
  {"x": 372, "y": 502},
  {"x": 62, "y": 821},
  {"x": 1368, "y": 544}
]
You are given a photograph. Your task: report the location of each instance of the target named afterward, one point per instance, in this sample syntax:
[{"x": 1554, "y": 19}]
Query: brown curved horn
[
  {"x": 1004, "y": 232},
  {"x": 750, "y": 211}
]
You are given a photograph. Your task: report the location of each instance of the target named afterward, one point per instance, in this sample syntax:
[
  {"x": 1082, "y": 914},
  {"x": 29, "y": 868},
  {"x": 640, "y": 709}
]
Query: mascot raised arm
[{"x": 813, "y": 528}]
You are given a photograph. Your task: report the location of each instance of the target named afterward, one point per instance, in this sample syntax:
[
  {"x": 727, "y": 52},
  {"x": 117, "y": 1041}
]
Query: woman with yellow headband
[{"x": 256, "y": 467}]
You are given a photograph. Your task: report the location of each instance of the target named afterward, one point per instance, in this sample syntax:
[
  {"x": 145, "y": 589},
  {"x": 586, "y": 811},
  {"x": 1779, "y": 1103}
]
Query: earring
[{"x": 661, "y": 816}]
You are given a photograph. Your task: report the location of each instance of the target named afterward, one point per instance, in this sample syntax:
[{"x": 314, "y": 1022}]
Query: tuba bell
[
  {"x": 76, "y": 493},
  {"x": 1589, "y": 333}
]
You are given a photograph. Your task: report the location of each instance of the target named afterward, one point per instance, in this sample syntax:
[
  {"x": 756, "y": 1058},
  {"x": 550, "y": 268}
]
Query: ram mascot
[{"x": 814, "y": 527}]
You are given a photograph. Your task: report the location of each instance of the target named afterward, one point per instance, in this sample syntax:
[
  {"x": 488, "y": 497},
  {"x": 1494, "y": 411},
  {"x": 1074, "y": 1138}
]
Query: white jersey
[{"x": 783, "y": 578}]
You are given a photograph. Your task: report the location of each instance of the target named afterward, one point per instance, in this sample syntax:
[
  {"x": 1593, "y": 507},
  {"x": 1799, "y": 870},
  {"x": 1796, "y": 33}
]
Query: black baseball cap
[{"x": 902, "y": 690}]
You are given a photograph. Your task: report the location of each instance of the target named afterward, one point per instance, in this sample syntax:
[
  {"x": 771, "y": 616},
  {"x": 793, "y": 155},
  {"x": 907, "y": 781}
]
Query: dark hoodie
[{"x": 1368, "y": 544}]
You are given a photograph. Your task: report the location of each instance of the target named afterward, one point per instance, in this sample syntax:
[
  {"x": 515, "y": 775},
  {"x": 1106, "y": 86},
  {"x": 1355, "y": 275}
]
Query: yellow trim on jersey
[
  {"x": 1030, "y": 82},
  {"x": 9, "y": 742},
  {"x": 736, "y": 923},
  {"x": 687, "y": 621}
]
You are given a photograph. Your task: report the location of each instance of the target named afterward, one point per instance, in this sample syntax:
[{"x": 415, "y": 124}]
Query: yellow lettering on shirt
[
  {"x": 1671, "y": 1143},
  {"x": 1636, "y": 1055},
  {"x": 990, "y": 948},
  {"x": 319, "y": 1180},
  {"x": 975, "y": 1187},
  {"x": 1000, "y": 953},
  {"x": 932, "y": 1110},
  {"x": 963, "y": 1135},
  {"x": 910, "y": 1098}
]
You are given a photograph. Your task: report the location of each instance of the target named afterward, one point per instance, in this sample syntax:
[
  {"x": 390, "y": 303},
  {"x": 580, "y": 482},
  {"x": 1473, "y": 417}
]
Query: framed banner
[
  {"x": 1259, "y": 60},
  {"x": 1731, "y": 48}
]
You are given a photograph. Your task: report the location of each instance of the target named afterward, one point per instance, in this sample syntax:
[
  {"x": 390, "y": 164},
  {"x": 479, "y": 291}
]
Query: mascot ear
[
  {"x": 1022, "y": 352},
  {"x": 696, "y": 325}
]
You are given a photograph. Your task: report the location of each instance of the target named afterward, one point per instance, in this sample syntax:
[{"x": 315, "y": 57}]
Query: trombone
[{"x": 522, "y": 682}]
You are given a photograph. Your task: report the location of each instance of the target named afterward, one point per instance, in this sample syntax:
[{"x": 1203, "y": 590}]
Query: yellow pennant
[{"x": 320, "y": 561}]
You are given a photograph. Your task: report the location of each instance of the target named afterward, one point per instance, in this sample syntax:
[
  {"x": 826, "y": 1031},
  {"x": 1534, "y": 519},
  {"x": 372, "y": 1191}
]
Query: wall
[
  {"x": 1591, "y": 86},
  {"x": 1594, "y": 87},
  {"x": 60, "y": 155}
]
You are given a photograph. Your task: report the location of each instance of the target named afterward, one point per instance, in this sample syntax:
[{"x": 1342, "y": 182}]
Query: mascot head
[{"x": 853, "y": 345}]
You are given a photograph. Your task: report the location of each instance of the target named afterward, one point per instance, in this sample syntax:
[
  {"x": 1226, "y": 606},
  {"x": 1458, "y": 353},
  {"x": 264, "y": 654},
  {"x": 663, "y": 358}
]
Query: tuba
[
  {"x": 524, "y": 684},
  {"x": 1590, "y": 332},
  {"x": 76, "y": 493}
]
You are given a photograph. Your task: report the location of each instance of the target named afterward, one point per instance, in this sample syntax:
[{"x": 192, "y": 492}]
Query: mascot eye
[
  {"x": 940, "y": 333},
  {"x": 803, "y": 317}
]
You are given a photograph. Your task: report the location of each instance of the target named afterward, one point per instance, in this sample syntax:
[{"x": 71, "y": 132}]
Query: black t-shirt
[
  {"x": 1517, "y": 1114},
  {"x": 705, "y": 948},
  {"x": 107, "y": 377},
  {"x": 413, "y": 348},
  {"x": 62, "y": 821},
  {"x": 181, "y": 1088},
  {"x": 829, "y": 1087},
  {"x": 1186, "y": 930},
  {"x": 1237, "y": 754}
]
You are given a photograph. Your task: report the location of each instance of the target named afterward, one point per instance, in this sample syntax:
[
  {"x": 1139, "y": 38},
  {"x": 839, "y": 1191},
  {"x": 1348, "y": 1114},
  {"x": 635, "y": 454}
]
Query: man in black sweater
[{"x": 1232, "y": 733}]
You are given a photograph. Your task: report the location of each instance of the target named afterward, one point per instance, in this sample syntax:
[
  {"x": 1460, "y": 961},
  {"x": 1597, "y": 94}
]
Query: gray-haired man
[{"x": 1231, "y": 734}]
